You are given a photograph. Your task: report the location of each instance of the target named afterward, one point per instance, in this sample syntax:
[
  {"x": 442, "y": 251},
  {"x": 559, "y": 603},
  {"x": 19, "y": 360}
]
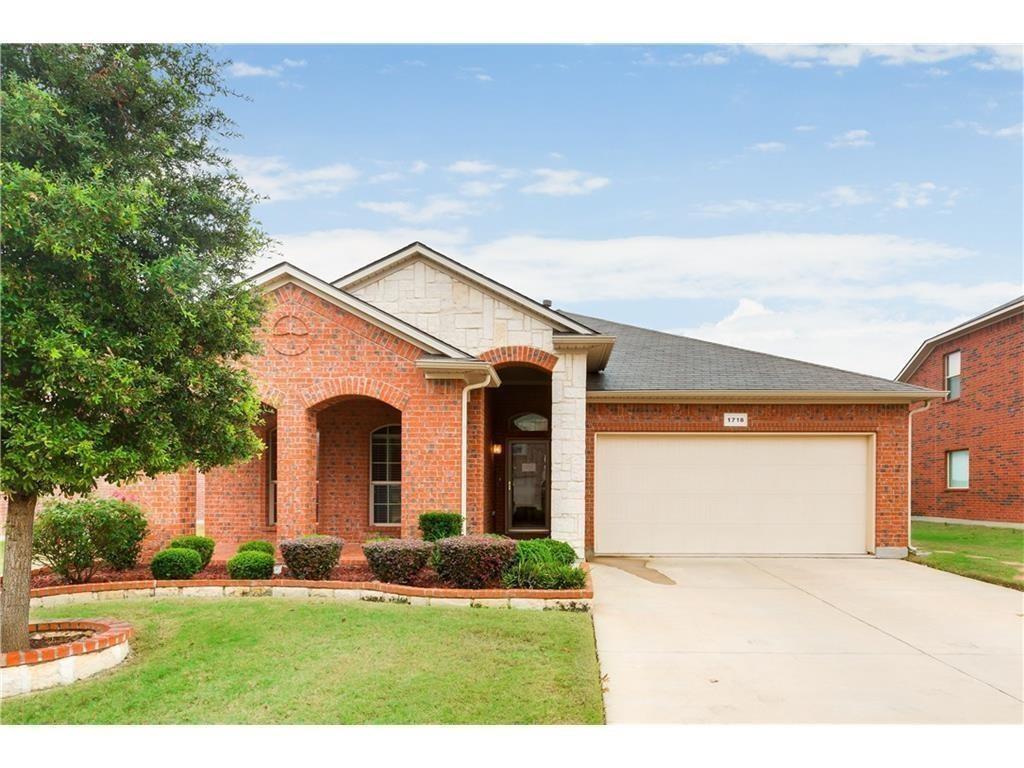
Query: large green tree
[{"x": 125, "y": 235}]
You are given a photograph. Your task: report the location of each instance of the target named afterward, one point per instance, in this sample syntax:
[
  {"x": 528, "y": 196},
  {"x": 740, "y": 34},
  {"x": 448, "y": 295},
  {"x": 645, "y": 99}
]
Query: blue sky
[{"x": 831, "y": 203}]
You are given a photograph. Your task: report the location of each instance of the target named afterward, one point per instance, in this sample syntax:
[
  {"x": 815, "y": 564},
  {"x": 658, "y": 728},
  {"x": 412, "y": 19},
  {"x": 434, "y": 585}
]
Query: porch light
[{"x": 496, "y": 449}]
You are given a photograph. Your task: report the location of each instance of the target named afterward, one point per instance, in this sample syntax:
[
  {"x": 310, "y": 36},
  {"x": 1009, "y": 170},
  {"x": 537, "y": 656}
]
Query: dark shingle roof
[{"x": 645, "y": 360}]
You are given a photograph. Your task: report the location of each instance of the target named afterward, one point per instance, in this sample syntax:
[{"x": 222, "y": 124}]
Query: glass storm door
[{"x": 528, "y": 497}]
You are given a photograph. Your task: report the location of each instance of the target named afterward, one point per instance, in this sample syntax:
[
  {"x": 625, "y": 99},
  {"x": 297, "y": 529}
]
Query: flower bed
[{"x": 104, "y": 644}]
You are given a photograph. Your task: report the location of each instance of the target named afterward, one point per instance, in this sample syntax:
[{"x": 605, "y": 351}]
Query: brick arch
[
  {"x": 329, "y": 389},
  {"x": 521, "y": 354},
  {"x": 270, "y": 395}
]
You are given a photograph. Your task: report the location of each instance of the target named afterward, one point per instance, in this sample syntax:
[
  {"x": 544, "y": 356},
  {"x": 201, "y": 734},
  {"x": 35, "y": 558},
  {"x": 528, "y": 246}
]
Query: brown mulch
[
  {"x": 351, "y": 571},
  {"x": 46, "y": 639}
]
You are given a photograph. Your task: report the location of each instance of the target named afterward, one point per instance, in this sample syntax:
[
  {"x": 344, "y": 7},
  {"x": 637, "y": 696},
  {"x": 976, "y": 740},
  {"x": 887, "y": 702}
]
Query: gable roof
[
  {"x": 416, "y": 249},
  {"x": 1001, "y": 312},
  {"x": 283, "y": 273},
  {"x": 652, "y": 363}
]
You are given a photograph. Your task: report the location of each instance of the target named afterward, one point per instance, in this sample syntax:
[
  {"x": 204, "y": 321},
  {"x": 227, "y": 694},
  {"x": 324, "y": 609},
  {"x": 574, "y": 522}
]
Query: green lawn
[
  {"x": 977, "y": 551},
  {"x": 277, "y": 660}
]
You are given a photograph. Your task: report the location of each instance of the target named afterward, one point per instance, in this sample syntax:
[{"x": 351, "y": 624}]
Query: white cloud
[
  {"x": 564, "y": 183},
  {"x": 707, "y": 59},
  {"x": 483, "y": 77},
  {"x": 381, "y": 178},
  {"x": 805, "y": 128},
  {"x": 418, "y": 167},
  {"x": 475, "y": 73},
  {"x": 937, "y": 72},
  {"x": 439, "y": 207},
  {"x": 1009, "y": 132},
  {"x": 858, "y": 137},
  {"x": 278, "y": 180},
  {"x": 471, "y": 167},
  {"x": 845, "y": 195},
  {"x": 744, "y": 206},
  {"x": 292, "y": 63},
  {"x": 922, "y": 195},
  {"x": 480, "y": 188},
  {"x": 242, "y": 69},
  {"x": 803, "y": 56},
  {"x": 769, "y": 146}
]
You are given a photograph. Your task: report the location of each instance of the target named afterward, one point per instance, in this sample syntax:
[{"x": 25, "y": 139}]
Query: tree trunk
[{"x": 21, "y": 511}]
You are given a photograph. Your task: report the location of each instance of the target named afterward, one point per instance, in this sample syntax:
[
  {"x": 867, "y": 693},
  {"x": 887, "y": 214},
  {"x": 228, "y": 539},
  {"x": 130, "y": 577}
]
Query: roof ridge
[{"x": 750, "y": 351}]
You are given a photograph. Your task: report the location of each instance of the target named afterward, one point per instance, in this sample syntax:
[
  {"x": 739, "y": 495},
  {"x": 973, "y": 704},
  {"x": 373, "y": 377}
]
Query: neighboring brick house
[
  {"x": 416, "y": 384},
  {"x": 968, "y": 449}
]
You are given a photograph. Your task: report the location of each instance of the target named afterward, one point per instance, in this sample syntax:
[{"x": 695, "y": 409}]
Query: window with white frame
[
  {"x": 271, "y": 476},
  {"x": 953, "y": 375},
  {"x": 386, "y": 475},
  {"x": 958, "y": 469}
]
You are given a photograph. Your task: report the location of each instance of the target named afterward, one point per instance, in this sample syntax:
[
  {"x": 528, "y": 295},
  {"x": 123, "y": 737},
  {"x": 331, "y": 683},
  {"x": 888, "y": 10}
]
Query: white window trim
[
  {"x": 947, "y": 377},
  {"x": 374, "y": 483},
  {"x": 949, "y": 466}
]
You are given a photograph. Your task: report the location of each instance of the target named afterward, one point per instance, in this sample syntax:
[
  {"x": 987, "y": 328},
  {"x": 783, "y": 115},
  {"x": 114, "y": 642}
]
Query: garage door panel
[{"x": 779, "y": 494}]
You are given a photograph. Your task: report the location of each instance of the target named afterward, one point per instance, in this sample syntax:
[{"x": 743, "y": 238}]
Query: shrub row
[
  {"x": 311, "y": 557},
  {"x": 72, "y": 537},
  {"x": 397, "y": 561}
]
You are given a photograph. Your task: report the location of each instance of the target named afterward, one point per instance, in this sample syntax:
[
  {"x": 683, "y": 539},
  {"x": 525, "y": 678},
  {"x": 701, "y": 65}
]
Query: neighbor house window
[
  {"x": 386, "y": 475},
  {"x": 958, "y": 468},
  {"x": 953, "y": 375},
  {"x": 271, "y": 476}
]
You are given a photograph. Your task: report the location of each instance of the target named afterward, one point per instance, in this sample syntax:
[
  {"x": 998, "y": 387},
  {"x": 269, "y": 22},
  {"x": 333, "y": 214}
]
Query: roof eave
[{"x": 759, "y": 396}]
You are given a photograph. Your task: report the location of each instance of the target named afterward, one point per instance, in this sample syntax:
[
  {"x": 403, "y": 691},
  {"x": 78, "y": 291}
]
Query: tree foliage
[{"x": 125, "y": 235}]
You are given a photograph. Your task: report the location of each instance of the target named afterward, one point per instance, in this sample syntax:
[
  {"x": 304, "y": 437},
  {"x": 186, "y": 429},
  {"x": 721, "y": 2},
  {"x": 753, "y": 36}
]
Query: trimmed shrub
[
  {"x": 62, "y": 539},
  {"x": 202, "y": 544},
  {"x": 258, "y": 546},
  {"x": 545, "y": 551},
  {"x": 440, "y": 525},
  {"x": 473, "y": 562},
  {"x": 541, "y": 575},
  {"x": 118, "y": 531},
  {"x": 176, "y": 563},
  {"x": 397, "y": 560},
  {"x": 251, "y": 564},
  {"x": 311, "y": 557}
]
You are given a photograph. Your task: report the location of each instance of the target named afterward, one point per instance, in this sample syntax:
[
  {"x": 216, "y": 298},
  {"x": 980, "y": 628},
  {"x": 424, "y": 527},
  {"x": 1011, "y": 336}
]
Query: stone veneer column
[
  {"x": 569, "y": 448},
  {"x": 296, "y": 471}
]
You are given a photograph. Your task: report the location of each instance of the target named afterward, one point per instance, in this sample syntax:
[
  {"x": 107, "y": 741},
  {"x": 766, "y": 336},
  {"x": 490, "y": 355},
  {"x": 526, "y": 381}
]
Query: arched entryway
[
  {"x": 517, "y": 477},
  {"x": 359, "y": 469}
]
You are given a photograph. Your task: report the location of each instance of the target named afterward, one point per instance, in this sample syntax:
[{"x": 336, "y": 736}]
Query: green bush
[
  {"x": 472, "y": 562},
  {"x": 545, "y": 551},
  {"x": 118, "y": 532},
  {"x": 311, "y": 557},
  {"x": 202, "y": 544},
  {"x": 397, "y": 561},
  {"x": 251, "y": 564},
  {"x": 258, "y": 546},
  {"x": 540, "y": 575},
  {"x": 62, "y": 538},
  {"x": 176, "y": 563},
  {"x": 440, "y": 525}
]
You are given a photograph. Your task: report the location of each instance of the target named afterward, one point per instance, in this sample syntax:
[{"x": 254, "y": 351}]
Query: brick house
[
  {"x": 416, "y": 384},
  {"x": 968, "y": 449}
]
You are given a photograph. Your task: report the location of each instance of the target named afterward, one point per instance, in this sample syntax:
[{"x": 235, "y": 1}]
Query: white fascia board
[
  {"x": 973, "y": 325},
  {"x": 759, "y": 396},
  {"x": 467, "y": 370},
  {"x": 284, "y": 273},
  {"x": 388, "y": 263}
]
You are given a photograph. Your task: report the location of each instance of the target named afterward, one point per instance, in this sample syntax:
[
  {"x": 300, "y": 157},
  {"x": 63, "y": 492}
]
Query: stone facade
[
  {"x": 987, "y": 420},
  {"x": 568, "y": 449}
]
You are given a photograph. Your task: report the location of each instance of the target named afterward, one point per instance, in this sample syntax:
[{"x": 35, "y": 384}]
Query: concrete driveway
[{"x": 805, "y": 640}]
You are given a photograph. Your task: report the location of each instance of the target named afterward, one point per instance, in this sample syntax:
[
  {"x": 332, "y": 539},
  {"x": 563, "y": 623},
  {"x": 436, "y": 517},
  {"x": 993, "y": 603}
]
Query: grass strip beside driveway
[
  {"x": 279, "y": 660},
  {"x": 980, "y": 552}
]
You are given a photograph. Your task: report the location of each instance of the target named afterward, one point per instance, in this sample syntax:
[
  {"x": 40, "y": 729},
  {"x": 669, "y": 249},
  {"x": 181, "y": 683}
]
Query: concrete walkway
[{"x": 806, "y": 640}]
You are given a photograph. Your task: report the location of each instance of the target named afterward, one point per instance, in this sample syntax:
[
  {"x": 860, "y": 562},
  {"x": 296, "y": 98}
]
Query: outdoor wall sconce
[{"x": 496, "y": 449}]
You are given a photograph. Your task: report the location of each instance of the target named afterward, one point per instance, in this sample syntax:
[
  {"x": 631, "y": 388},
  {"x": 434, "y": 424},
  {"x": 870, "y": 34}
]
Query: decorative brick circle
[
  {"x": 107, "y": 632},
  {"x": 290, "y": 335}
]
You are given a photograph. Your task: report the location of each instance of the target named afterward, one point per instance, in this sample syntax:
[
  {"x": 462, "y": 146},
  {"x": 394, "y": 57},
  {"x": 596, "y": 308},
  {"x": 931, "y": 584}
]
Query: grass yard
[
  {"x": 980, "y": 552},
  {"x": 279, "y": 660}
]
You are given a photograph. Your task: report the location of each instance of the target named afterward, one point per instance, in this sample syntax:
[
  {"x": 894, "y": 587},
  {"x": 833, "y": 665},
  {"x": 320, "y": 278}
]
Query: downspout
[
  {"x": 910, "y": 467},
  {"x": 465, "y": 439}
]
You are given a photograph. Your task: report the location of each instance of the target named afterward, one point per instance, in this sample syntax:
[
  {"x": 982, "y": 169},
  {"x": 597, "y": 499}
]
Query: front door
[{"x": 528, "y": 487}]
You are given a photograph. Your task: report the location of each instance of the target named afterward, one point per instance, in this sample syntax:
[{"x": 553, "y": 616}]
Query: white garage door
[{"x": 732, "y": 494}]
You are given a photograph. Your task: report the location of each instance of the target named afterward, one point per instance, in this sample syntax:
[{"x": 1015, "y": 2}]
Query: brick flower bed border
[
  {"x": 34, "y": 670},
  {"x": 350, "y": 590}
]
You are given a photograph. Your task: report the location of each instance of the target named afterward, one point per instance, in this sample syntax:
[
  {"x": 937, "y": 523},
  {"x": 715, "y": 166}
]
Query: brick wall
[
  {"x": 987, "y": 420},
  {"x": 888, "y": 422}
]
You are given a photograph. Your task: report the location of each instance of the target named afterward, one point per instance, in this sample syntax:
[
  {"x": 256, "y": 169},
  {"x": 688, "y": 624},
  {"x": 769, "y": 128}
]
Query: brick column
[
  {"x": 569, "y": 448},
  {"x": 296, "y": 471}
]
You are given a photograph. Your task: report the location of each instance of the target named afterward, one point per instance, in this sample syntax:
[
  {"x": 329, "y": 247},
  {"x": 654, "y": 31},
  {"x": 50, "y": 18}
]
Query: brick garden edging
[
  {"x": 34, "y": 670},
  {"x": 340, "y": 590}
]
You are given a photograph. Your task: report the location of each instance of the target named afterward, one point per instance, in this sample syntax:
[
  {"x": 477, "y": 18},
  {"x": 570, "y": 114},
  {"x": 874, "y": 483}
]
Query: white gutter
[
  {"x": 910, "y": 465},
  {"x": 488, "y": 378}
]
